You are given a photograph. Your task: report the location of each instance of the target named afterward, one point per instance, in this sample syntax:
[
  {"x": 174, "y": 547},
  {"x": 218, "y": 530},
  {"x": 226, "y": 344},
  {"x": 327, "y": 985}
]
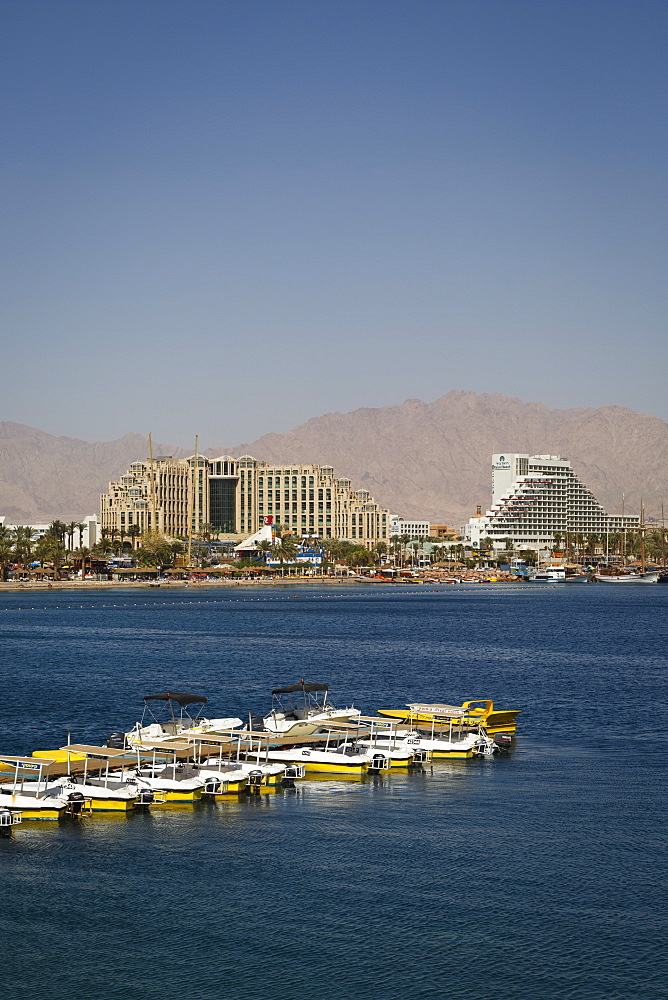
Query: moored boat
[
  {"x": 178, "y": 722},
  {"x": 171, "y": 780},
  {"x": 647, "y": 577},
  {"x": 23, "y": 791},
  {"x": 304, "y": 714},
  {"x": 334, "y": 757},
  {"x": 475, "y": 712},
  {"x": 549, "y": 574},
  {"x": 446, "y": 736}
]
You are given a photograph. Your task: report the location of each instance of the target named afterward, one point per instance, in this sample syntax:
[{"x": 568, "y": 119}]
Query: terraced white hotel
[
  {"x": 236, "y": 496},
  {"x": 534, "y": 498}
]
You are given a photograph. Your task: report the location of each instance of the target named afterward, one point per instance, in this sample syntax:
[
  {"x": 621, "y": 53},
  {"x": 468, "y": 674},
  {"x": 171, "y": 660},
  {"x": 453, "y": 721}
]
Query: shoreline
[{"x": 58, "y": 585}]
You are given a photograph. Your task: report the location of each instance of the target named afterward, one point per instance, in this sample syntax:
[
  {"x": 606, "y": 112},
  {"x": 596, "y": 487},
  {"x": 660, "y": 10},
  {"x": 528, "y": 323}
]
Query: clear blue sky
[{"x": 229, "y": 217}]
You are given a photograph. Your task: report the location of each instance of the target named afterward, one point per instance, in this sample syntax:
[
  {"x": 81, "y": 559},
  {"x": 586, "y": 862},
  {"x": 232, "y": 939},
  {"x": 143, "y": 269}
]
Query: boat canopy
[
  {"x": 301, "y": 687},
  {"x": 93, "y": 751},
  {"x": 180, "y": 699}
]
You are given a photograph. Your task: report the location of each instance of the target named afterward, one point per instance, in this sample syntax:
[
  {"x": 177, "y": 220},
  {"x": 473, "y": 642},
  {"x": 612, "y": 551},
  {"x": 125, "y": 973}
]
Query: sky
[{"x": 225, "y": 218}]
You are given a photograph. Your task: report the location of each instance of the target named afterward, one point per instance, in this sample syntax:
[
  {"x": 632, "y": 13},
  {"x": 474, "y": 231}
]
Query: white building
[
  {"x": 402, "y": 526},
  {"x": 87, "y": 537},
  {"x": 534, "y": 498}
]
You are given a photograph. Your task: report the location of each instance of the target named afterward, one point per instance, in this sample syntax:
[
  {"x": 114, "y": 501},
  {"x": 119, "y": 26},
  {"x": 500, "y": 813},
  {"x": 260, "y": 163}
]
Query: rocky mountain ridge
[{"x": 419, "y": 459}]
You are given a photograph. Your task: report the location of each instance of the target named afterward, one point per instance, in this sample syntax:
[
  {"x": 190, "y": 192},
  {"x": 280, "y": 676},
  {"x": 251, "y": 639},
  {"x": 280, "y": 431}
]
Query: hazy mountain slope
[
  {"x": 433, "y": 459},
  {"x": 420, "y": 459},
  {"x": 44, "y": 477}
]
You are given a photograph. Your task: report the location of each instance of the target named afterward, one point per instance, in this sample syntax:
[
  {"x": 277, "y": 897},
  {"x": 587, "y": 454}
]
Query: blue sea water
[{"x": 540, "y": 875}]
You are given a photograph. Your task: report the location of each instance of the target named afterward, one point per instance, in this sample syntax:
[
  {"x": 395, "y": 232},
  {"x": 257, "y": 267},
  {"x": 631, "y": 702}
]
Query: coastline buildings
[
  {"x": 402, "y": 526},
  {"x": 420, "y": 529},
  {"x": 536, "y": 498},
  {"x": 236, "y": 496},
  {"x": 87, "y": 536}
]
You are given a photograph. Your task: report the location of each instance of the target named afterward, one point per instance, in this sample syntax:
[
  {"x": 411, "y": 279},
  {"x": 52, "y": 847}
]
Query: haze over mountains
[{"x": 419, "y": 459}]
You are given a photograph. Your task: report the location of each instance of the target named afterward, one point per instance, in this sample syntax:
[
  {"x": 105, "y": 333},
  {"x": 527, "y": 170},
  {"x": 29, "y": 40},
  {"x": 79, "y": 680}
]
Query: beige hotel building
[{"x": 235, "y": 495}]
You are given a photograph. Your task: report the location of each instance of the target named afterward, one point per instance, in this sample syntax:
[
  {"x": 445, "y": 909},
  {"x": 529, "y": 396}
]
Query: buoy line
[{"x": 495, "y": 588}]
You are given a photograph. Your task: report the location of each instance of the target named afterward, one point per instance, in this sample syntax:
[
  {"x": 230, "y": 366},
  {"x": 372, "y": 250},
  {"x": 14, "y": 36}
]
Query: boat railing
[
  {"x": 294, "y": 771},
  {"x": 9, "y": 818}
]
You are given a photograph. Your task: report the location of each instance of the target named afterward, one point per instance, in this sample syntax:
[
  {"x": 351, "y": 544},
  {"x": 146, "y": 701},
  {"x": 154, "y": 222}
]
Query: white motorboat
[
  {"x": 242, "y": 754},
  {"x": 381, "y": 735},
  {"x": 341, "y": 760},
  {"x": 648, "y": 577},
  {"x": 177, "y": 781},
  {"x": 32, "y": 806},
  {"x": 179, "y": 721},
  {"x": 445, "y": 735},
  {"x": 99, "y": 795},
  {"x": 23, "y": 791},
  {"x": 549, "y": 574},
  {"x": 303, "y": 714},
  {"x": 97, "y": 782},
  {"x": 334, "y": 757}
]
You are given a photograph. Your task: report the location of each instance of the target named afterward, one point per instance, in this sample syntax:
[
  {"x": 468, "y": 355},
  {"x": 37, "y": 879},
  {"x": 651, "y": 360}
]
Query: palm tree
[
  {"x": 57, "y": 555},
  {"x": 43, "y": 550},
  {"x": 22, "y": 538},
  {"x": 380, "y": 549},
  {"x": 264, "y": 547},
  {"x": 58, "y": 529},
  {"x": 105, "y": 545},
  {"x": 83, "y": 553},
  {"x": 71, "y": 528},
  {"x": 285, "y": 551},
  {"x": 6, "y": 551},
  {"x": 592, "y": 542}
]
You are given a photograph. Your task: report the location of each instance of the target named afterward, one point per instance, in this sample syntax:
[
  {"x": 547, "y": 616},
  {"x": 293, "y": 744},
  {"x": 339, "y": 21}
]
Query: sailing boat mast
[
  {"x": 623, "y": 535},
  {"x": 642, "y": 537}
]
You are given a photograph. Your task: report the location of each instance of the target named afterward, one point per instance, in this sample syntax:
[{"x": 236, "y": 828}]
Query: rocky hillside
[
  {"x": 434, "y": 459},
  {"x": 44, "y": 477},
  {"x": 420, "y": 459}
]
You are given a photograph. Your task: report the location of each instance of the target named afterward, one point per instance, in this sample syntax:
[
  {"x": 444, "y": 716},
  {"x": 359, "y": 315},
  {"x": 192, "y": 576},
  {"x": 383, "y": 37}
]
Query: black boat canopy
[
  {"x": 180, "y": 699},
  {"x": 301, "y": 687}
]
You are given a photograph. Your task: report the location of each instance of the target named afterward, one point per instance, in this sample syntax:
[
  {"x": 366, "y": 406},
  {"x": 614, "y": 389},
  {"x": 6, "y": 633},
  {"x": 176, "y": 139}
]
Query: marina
[{"x": 189, "y": 762}]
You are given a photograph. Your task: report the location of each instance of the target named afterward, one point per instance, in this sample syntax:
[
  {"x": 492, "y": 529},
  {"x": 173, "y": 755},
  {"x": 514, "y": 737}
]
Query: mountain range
[{"x": 422, "y": 460}]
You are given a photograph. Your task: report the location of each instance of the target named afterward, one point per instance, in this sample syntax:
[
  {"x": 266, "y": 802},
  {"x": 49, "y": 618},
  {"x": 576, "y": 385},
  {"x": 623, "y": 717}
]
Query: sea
[{"x": 537, "y": 875}]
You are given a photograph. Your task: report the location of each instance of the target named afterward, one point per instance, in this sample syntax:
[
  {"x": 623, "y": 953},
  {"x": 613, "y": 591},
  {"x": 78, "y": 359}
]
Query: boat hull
[
  {"x": 32, "y": 809},
  {"x": 172, "y": 796},
  {"x": 228, "y": 789},
  {"x": 315, "y": 763},
  {"x": 628, "y": 578}
]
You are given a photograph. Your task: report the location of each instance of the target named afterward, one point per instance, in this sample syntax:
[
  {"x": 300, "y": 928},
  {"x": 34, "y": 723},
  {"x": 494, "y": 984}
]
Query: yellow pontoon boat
[{"x": 479, "y": 712}]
